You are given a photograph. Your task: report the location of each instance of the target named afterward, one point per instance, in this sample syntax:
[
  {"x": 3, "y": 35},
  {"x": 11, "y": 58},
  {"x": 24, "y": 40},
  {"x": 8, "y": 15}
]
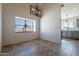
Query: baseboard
[
  {"x": 28, "y": 41},
  {"x": 51, "y": 41},
  {"x": 19, "y": 42}
]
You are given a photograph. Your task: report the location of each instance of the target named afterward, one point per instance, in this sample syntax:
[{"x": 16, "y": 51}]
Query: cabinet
[{"x": 71, "y": 34}]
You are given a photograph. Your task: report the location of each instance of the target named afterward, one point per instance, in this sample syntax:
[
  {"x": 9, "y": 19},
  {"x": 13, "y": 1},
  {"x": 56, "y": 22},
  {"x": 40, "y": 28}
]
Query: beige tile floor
[{"x": 39, "y": 47}]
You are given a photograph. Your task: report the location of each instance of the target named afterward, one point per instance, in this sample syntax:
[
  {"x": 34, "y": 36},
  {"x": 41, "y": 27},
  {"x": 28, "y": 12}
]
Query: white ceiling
[
  {"x": 70, "y": 9},
  {"x": 40, "y": 5}
]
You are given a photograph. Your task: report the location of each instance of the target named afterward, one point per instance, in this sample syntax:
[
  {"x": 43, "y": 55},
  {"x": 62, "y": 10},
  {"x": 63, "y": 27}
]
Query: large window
[
  {"x": 68, "y": 24},
  {"x": 25, "y": 25}
]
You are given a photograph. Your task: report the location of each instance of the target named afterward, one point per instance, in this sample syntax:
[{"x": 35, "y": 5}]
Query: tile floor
[{"x": 39, "y": 47}]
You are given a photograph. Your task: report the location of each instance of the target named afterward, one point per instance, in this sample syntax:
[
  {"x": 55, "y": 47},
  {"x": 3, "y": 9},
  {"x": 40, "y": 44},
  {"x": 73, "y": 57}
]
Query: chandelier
[{"x": 35, "y": 10}]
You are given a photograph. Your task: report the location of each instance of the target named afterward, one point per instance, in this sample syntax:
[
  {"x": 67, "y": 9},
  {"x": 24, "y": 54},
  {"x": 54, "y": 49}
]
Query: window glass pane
[
  {"x": 19, "y": 21},
  {"x": 19, "y": 29},
  {"x": 71, "y": 24},
  {"x": 30, "y": 25},
  {"x": 65, "y": 24},
  {"x": 68, "y": 24},
  {"x": 22, "y": 27}
]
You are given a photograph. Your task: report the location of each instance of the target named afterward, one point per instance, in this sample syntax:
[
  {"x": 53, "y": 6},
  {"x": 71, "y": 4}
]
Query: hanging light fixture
[{"x": 35, "y": 10}]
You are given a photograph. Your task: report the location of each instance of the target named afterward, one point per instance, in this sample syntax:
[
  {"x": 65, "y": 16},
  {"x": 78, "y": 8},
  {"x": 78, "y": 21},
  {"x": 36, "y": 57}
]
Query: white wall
[
  {"x": 9, "y": 13},
  {"x": 0, "y": 27},
  {"x": 51, "y": 22}
]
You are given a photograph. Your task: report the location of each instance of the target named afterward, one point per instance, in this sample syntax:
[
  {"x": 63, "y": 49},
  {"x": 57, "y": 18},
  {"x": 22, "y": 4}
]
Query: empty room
[{"x": 39, "y": 29}]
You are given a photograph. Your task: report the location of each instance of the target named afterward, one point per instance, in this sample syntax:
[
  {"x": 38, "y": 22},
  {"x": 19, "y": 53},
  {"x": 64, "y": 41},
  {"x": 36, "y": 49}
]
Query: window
[
  {"x": 25, "y": 25},
  {"x": 71, "y": 24},
  {"x": 68, "y": 24}
]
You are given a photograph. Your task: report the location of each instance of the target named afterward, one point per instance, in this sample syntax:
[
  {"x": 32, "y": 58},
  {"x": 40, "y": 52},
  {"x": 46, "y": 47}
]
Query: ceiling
[
  {"x": 39, "y": 4},
  {"x": 70, "y": 9}
]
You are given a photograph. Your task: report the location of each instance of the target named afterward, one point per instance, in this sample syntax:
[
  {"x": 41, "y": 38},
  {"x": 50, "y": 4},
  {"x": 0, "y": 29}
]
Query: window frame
[
  {"x": 71, "y": 24},
  {"x": 25, "y": 31}
]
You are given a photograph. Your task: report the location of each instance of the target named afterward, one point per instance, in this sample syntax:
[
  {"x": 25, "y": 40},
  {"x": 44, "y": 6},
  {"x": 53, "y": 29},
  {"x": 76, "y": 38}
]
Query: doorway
[{"x": 70, "y": 21}]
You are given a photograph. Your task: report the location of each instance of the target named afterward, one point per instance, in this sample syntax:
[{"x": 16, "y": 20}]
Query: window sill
[{"x": 26, "y": 32}]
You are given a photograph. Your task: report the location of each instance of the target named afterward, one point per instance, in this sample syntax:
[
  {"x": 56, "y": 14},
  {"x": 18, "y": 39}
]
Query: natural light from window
[{"x": 24, "y": 25}]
